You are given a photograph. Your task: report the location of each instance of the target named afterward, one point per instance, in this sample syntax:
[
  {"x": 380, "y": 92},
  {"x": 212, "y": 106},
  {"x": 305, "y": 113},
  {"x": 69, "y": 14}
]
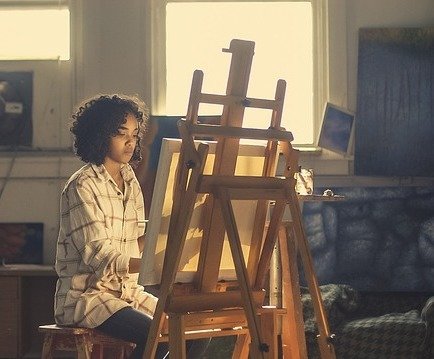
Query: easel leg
[
  {"x": 256, "y": 346},
  {"x": 293, "y": 336},
  {"x": 325, "y": 346},
  {"x": 176, "y": 236},
  {"x": 269, "y": 332},
  {"x": 169, "y": 273},
  {"x": 177, "y": 336},
  {"x": 241, "y": 349}
]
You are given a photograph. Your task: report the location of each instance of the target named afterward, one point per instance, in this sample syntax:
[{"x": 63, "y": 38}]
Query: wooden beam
[
  {"x": 240, "y": 132},
  {"x": 208, "y": 182},
  {"x": 210, "y": 301},
  {"x": 177, "y": 337},
  {"x": 225, "y": 162},
  {"x": 230, "y": 100}
]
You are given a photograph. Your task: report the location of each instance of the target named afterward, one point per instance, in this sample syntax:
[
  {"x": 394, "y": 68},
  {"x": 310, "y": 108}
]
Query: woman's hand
[
  {"x": 141, "y": 243},
  {"x": 134, "y": 265}
]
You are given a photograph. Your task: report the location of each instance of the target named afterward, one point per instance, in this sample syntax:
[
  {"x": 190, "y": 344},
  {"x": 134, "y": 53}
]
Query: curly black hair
[{"x": 98, "y": 119}]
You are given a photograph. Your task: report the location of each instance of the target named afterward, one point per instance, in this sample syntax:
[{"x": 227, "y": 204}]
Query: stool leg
[
  {"x": 47, "y": 348},
  {"x": 84, "y": 347},
  {"x": 128, "y": 350},
  {"x": 97, "y": 351},
  {"x": 120, "y": 353}
]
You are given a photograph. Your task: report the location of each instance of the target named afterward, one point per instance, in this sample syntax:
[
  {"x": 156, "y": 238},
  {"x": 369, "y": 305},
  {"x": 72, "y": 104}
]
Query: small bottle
[{"x": 304, "y": 184}]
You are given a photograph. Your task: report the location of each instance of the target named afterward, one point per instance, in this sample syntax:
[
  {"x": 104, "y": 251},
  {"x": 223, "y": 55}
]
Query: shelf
[{"x": 35, "y": 152}]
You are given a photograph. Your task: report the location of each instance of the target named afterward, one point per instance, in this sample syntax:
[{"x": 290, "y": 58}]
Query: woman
[{"x": 102, "y": 227}]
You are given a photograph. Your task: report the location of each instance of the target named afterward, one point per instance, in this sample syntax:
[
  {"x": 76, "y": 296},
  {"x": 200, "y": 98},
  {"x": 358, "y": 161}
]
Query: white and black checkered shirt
[{"x": 98, "y": 234}]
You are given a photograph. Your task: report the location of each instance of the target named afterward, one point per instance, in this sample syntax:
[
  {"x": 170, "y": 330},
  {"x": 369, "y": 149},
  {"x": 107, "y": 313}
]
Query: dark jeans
[{"x": 133, "y": 326}]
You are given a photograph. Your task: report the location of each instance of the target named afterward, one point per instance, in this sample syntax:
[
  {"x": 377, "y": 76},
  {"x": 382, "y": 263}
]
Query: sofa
[{"x": 373, "y": 325}]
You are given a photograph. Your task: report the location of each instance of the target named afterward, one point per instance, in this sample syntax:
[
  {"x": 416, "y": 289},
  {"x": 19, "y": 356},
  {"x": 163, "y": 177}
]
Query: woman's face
[{"x": 123, "y": 144}]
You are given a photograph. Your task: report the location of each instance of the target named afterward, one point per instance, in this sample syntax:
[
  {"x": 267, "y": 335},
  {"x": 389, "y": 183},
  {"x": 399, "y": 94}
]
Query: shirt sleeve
[
  {"x": 91, "y": 237},
  {"x": 140, "y": 206}
]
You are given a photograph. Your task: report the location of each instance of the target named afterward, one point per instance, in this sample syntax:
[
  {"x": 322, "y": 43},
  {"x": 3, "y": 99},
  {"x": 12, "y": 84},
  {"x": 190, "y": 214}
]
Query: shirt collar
[
  {"x": 102, "y": 173},
  {"x": 127, "y": 172}
]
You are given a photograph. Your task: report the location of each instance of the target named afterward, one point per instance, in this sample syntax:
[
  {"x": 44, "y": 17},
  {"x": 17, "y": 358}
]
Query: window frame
[
  {"x": 39, "y": 5},
  {"x": 156, "y": 56},
  {"x": 55, "y": 81}
]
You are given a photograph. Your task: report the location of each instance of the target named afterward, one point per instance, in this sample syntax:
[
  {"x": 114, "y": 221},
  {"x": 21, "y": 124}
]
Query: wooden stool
[{"x": 88, "y": 343}]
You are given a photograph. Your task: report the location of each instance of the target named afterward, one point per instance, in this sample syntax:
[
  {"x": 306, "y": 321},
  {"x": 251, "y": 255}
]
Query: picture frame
[
  {"x": 337, "y": 130},
  {"x": 21, "y": 242},
  {"x": 394, "y": 124}
]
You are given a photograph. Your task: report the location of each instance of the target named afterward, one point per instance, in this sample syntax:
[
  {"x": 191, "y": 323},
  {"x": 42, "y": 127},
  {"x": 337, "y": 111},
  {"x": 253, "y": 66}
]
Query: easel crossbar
[
  {"x": 207, "y": 333},
  {"x": 270, "y": 134},
  {"x": 210, "y": 301},
  {"x": 224, "y": 319},
  {"x": 240, "y": 100},
  {"x": 264, "y": 187}
]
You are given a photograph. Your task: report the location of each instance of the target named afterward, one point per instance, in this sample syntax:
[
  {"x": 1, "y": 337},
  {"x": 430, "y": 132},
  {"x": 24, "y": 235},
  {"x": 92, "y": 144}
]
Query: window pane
[
  {"x": 34, "y": 34},
  {"x": 282, "y": 31}
]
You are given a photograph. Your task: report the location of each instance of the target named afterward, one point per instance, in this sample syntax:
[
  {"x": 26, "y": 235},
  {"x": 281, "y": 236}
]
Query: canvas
[
  {"x": 250, "y": 162},
  {"x": 337, "y": 130},
  {"x": 394, "y": 128}
]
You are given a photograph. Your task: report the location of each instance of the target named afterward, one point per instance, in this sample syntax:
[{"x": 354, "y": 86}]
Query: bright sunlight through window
[
  {"x": 34, "y": 34},
  {"x": 282, "y": 31}
]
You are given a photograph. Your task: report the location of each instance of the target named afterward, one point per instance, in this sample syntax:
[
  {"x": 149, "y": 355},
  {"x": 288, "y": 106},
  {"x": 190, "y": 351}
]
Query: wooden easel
[{"x": 236, "y": 308}]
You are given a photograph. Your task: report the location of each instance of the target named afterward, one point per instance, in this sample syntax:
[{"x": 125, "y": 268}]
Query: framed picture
[
  {"x": 21, "y": 243},
  {"x": 395, "y": 121},
  {"x": 337, "y": 130}
]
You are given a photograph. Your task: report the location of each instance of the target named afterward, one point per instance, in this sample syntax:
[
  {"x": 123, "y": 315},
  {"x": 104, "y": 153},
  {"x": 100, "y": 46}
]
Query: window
[
  {"x": 34, "y": 32},
  {"x": 36, "y": 40},
  {"x": 189, "y": 35}
]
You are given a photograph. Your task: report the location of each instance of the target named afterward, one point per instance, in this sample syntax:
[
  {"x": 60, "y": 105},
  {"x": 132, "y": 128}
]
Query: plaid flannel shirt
[{"x": 98, "y": 234}]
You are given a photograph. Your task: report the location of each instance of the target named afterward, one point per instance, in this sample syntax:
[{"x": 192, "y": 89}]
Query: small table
[{"x": 26, "y": 301}]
